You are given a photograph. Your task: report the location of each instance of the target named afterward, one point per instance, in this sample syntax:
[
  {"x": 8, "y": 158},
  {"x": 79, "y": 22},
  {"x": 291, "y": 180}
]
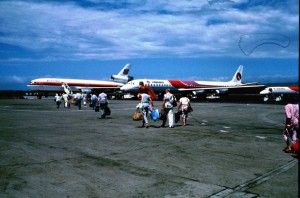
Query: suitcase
[{"x": 107, "y": 110}]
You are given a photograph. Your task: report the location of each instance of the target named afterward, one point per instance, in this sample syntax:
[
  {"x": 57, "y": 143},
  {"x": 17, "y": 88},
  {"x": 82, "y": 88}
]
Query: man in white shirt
[
  {"x": 167, "y": 107},
  {"x": 103, "y": 101}
]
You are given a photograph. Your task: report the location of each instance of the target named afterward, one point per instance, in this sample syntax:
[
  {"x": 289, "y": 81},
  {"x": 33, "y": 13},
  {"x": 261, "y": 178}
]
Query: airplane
[
  {"x": 196, "y": 87},
  {"x": 80, "y": 85},
  {"x": 277, "y": 93}
]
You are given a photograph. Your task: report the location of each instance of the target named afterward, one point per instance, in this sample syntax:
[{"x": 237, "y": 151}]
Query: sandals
[{"x": 287, "y": 149}]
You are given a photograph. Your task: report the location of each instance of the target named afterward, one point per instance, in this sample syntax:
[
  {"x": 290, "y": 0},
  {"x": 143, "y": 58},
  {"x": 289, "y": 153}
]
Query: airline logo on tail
[
  {"x": 126, "y": 71},
  {"x": 237, "y": 78}
]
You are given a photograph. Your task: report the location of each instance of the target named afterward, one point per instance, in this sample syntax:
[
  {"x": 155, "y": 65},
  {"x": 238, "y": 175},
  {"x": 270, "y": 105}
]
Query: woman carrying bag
[{"x": 184, "y": 108}]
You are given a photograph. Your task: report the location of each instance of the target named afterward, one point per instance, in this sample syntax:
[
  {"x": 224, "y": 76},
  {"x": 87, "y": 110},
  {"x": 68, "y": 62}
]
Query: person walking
[
  {"x": 291, "y": 123},
  {"x": 57, "y": 100},
  {"x": 167, "y": 107},
  {"x": 148, "y": 90},
  {"x": 183, "y": 108},
  {"x": 84, "y": 97},
  {"x": 78, "y": 100},
  {"x": 145, "y": 101},
  {"x": 94, "y": 100},
  {"x": 103, "y": 101},
  {"x": 66, "y": 99}
]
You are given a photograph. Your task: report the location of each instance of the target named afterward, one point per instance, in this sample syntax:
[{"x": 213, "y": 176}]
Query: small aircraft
[
  {"x": 196, "y": 87},
  {"x": 82, "y": 85},
  {"x": 276, "y": 93}
]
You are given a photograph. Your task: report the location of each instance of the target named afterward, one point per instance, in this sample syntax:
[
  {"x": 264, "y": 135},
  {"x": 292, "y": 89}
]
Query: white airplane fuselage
[
  {"x": 281, "y": 90},
  {"x": 196, "y": 87},
  {"x": 174, "y": 85},
  {"x": 83, "y": 85},
  {"x": 55, "y": 84}
]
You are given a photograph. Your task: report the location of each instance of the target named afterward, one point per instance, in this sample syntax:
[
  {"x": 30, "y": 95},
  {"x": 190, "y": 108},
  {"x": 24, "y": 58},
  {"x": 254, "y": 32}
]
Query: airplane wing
[
  {"x": 95, "y": 88},
  {"x": 223, "y": 87},
  {"x": 90, "y": 89}
]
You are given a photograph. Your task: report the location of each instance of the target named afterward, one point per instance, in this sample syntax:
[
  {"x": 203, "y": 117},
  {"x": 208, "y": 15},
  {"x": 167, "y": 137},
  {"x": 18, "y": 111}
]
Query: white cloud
[
  {"x": 13, "y": 79},
  {"x": 151, "y": 29}
]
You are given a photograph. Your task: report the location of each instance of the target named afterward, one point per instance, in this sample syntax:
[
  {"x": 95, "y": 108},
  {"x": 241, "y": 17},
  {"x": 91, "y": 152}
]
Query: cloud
[
  {"x": 13, "y": 79},
  {"x": 139, "y": 29}
]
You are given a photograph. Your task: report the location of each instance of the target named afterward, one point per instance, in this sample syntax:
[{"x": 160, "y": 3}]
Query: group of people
[
  {"x": 101, "y": 101},
  {"x": 62, "y": 97},
  {"x": 59, "y": 98},
  {"x": 146, "y": 97}
]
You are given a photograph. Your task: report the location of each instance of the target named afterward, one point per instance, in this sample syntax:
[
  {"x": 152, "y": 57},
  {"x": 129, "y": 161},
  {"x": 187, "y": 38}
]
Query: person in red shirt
[{"x": 147, "y": 89}]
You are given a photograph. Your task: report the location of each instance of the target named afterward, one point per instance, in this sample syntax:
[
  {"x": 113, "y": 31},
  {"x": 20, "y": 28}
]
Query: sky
[{"x": 165, "y": 39}]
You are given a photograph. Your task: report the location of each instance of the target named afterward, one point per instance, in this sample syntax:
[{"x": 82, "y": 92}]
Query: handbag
[
  {"x": 154, "y": 114},
  {"x": 190, "y": 109},
  {"x": 107, "y": 110},
  {"x": 137, "y": 115},
  {"x": 162, "y": 115}
]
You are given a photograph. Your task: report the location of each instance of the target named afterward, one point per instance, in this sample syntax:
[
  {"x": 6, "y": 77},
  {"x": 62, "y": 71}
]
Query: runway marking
[
  {"x": 238, "y": 191},
  {"x": 261, "y": 137},
  {"x": 223, "y": 131},
  {"x": 266, "y": 118}
]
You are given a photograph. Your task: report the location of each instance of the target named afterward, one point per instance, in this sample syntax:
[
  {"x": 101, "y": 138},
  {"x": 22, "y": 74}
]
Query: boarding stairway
[{"x": 66, "y": 88}]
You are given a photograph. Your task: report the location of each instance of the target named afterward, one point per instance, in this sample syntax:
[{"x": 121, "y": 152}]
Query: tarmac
[{"x": 226, "y": 150}]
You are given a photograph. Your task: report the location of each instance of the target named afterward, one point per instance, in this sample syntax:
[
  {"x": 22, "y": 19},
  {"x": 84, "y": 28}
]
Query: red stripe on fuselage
[
  {"x": 294, "y": 88},
  {"x": 177, "y": 83},
  {"x": 187, "y": 84}
]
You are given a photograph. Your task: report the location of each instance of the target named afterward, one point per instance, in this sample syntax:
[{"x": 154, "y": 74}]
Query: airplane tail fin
[
  {"x": 122, "y": 76},
  {"x": 237, "y": 78}
]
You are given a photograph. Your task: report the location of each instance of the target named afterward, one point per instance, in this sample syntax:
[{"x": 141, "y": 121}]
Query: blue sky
[{"x": 186, "y": 39}]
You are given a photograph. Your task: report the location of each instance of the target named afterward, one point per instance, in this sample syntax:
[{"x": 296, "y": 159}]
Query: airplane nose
[
  {"x": 128, "y": 88},
  {"x": 123, "y": 88},
  {"x": 263, "y": 92}
]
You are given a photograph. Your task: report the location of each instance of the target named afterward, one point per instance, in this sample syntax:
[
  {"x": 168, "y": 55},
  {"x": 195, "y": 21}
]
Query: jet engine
[
  {"x": 198, "y": 92},
  {"x": 221, "y": 91},
  {"x": 121, "y": 78}
]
